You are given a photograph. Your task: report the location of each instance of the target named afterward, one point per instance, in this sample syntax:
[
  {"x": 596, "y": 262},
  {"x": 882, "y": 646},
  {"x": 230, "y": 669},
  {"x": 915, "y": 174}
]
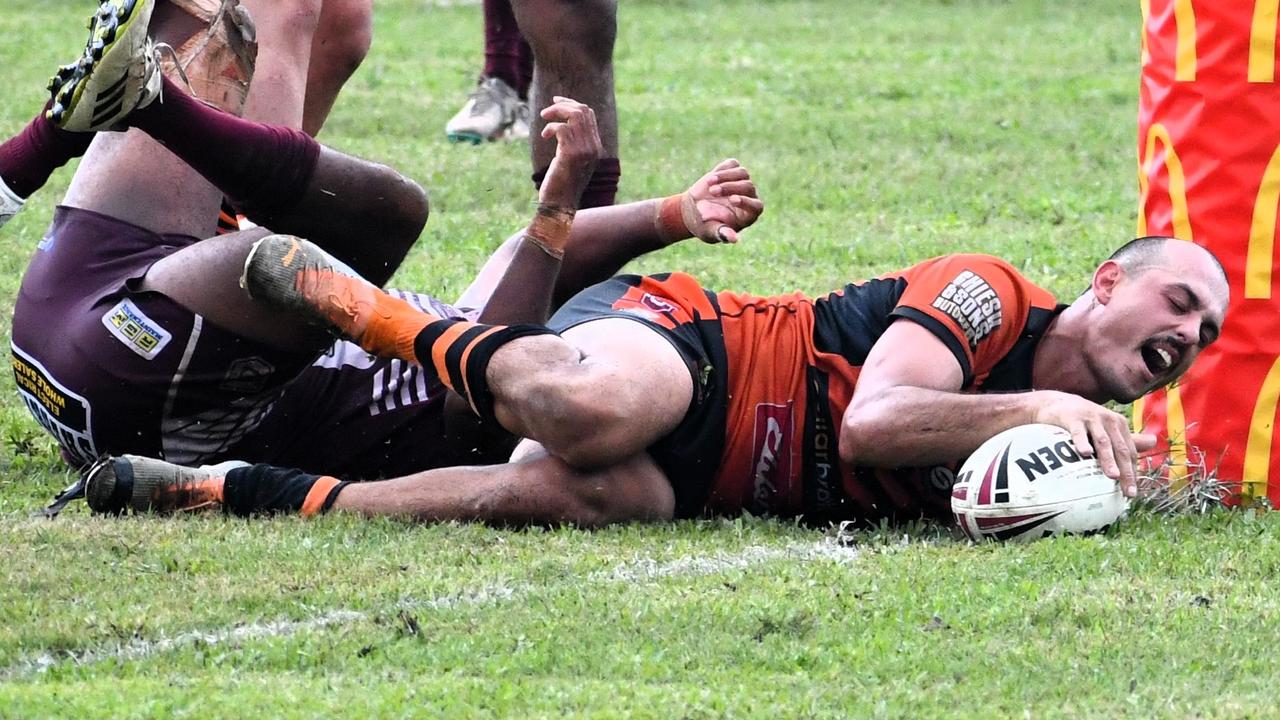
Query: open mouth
[{"x": 1161, "y": 356}]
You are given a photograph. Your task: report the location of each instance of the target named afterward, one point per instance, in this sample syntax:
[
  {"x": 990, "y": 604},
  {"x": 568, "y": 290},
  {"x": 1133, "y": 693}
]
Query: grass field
[{"x": 880, "y": 133}]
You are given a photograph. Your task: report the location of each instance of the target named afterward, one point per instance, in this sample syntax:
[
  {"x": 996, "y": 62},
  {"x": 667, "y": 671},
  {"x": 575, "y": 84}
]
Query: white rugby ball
[{"x": 1029, "y": 482}]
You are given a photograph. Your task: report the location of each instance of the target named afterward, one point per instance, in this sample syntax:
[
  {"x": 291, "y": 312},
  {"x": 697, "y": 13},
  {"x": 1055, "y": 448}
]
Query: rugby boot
[
  {"x": 488, "y": 113},
  {"x": 115, "y": 75},
  {"x": 518, "y": 130},
  {"x": 296, "y": 276},
  {"x": 131, "y": 483},
  {"x": 10, "y": 203},
  {"x": 216, "y": 64}
]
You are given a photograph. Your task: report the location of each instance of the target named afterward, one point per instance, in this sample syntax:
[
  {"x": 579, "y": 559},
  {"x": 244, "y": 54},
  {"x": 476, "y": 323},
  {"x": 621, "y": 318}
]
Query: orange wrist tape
[
  {"x": 550, "y": 229},
  {"x": 669, "y": 222}
]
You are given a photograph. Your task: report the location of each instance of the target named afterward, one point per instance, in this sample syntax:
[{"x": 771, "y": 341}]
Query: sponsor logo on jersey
[
  {"x": 657, "y": 304},
  {"x": 59, "y": 411},
  {"x": 972, "y": 303},
  {"x": 823, "y": 480},
  {"x": 138, "y": 332},
  {"x": 771, "y": 461}
]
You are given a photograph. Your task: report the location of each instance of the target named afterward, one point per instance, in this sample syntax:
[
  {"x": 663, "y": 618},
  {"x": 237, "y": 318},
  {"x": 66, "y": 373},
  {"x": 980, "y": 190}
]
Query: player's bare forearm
[
  {"x": 603, "y": 240},
  {"x": 524, "y": 293},
  {"x": 907, "y": 426},
  {"x": 714, "y": 209}
]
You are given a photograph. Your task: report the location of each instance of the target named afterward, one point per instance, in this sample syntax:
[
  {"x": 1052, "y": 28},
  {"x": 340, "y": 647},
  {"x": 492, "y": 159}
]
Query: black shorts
[
  {"x": 108, "y": 368},
  {"x": 688, "y": 317}
]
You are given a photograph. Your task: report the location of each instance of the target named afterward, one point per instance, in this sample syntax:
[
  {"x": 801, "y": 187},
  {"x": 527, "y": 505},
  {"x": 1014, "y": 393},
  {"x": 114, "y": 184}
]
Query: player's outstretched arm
[
  {"x": 908, "y": 410},
  {"x": 524, "y": 294},
  {"x": 715, "y": 209}
]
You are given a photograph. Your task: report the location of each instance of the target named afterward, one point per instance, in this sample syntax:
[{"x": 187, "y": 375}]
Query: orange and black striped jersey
[{"x": 793, "y": 365}]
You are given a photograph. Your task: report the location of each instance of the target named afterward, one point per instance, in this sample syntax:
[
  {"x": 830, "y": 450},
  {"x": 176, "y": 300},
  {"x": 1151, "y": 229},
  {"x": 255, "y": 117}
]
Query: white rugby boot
[
  {"x": 10, "y": 203},
  {"x": 130, "y": 483},
  {"x": 518, "y": 130},
  {"x": 116, "y": 74},
  {"x": 488, "y": 114}
]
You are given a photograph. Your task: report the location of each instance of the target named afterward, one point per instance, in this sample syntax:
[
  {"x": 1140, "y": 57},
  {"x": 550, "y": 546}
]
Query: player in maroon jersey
[{"x": 130, "y": 334}]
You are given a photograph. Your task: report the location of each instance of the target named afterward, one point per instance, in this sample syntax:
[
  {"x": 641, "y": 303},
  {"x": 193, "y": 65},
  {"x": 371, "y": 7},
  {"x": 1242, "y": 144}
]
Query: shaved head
[{"x": 1141, "y": 254}]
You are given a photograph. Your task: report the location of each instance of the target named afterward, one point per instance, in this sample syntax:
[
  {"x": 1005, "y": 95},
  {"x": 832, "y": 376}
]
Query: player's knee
[
  {"x": 626, "y": 492},
  {"x": 343, "y": 38},
  {"x": 569, "y": 28},
  {"x": 403, "y": 208},
  {"x": 597, "y": 441},
  {"x": 292, "y": 18},
  {"x": 583, "y": 426}
]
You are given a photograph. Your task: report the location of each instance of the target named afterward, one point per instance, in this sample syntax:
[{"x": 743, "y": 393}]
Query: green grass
[{"x": 880, "y": 133}]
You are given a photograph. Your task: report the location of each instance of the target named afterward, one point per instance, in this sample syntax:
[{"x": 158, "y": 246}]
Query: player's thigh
[
  {"x": 634, "y": 489},
  {"x": 586, "y": 22},
  {"x": 477, "y": 294},
  {"x": 205, "y": 278},
  {"x": 641, "y": 385}
]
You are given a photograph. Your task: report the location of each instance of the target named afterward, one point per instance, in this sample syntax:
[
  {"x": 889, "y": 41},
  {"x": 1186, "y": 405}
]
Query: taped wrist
[
  {"x": 550, "y": 229},
  {"x": 676, "y": 219}
]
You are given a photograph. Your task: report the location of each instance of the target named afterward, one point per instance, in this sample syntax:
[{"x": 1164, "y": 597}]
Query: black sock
[
  {"x": 466, "y": 356},
  {"x": 266, "y": 489}
]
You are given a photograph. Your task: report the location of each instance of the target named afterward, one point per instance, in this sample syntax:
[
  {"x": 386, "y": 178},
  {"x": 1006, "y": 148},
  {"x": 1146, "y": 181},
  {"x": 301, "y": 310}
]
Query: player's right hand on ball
[
  {"x": 1098, "y": 432},
  {"x": 721, "y": 203},
  {"x": 578, "y": 147}
]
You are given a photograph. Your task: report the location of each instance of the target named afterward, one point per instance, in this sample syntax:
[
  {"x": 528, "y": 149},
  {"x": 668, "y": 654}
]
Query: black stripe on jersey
[
  {"x": 1013, "y": 372},
  {"x": 822, "y": 480},
  {"x": 848, "y": 323},
  {"x": 944, "y": 334}
]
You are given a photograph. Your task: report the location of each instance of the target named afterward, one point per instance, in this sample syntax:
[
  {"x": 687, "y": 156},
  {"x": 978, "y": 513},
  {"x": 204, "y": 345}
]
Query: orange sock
[{"x": 393, "y": 326}]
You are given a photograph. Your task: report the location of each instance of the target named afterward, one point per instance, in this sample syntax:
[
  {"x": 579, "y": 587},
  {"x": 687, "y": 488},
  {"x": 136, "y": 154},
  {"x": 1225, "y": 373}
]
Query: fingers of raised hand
[
  {"x": 733, "y": 187},
  {"x": 552, "y": 129},
  {"x": 749, "y": 208},
  {"x": 726, "y": 164},
  {"x": 562, "y": 107}
]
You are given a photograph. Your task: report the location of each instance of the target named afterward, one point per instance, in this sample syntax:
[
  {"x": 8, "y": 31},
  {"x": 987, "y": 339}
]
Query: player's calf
[{"x": 299, "y": 277}]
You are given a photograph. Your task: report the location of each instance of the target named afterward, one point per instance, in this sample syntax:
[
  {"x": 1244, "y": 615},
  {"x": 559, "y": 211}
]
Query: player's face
[{"x": 1154, "y": 324}]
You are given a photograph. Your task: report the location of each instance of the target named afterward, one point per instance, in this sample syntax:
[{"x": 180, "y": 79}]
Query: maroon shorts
[{"x": 108, "y": 368}]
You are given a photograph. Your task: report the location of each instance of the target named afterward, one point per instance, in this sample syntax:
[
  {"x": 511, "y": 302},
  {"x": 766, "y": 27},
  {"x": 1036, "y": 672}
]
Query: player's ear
[{"x": 1105, "y": 279}]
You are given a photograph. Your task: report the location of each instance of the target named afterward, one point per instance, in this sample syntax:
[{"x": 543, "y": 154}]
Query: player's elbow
[{"x": 865, "y": 435}]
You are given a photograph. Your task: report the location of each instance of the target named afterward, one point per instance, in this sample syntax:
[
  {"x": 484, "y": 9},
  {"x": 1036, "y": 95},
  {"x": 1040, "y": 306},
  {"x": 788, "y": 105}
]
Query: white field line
[{"x": 643, "y": 570}]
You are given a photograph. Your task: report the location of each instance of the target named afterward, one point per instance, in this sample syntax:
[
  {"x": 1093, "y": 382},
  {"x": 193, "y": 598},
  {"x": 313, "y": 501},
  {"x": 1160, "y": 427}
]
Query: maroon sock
[
  {"x": 602, "y": 188},
  {"x": 502, "y": 45},
  {"x": 30, "y": 157},
  {"x": 261, "y": 168}
]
